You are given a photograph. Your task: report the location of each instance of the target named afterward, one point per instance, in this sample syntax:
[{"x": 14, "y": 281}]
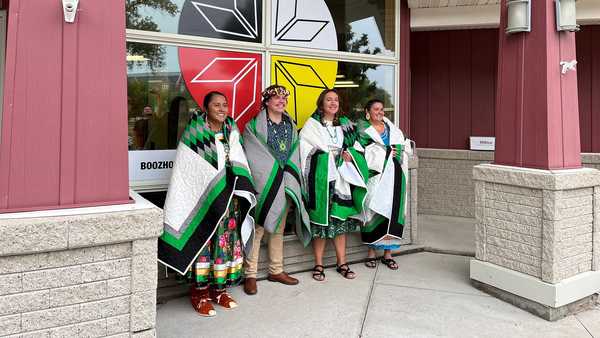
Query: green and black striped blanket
[
  {"x": 274, "y": 180},
  {"x": 200, "y": 191},
  {"x": 385, "y": 204}
]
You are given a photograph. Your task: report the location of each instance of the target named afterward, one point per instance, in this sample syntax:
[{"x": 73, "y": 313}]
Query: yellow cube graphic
[{"x": 305, "y": 79}]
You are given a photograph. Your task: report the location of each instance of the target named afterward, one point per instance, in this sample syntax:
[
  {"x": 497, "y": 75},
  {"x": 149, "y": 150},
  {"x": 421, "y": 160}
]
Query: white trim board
[
  {"x": 488, "y": 16},
  {"x": 445, "y": 18},
  {"x": 553, "y": 295},
  {"x": 139, "y": 203}
]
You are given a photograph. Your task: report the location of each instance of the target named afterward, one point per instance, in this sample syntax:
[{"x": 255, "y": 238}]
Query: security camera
[{"x": 70, "y": 10}]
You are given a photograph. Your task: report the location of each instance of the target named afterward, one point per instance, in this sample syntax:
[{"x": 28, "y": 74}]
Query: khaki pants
[{"x": 275, "y": 248}]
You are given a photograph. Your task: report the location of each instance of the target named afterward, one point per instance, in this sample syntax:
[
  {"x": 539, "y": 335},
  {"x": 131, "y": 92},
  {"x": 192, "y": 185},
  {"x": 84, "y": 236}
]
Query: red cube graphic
[{"x": 237, "y": 75}]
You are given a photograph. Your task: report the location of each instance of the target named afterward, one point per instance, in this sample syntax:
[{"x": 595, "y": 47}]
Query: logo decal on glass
[
  {"x": 226, "y": 19},
  {"x": 306, "y": 79},
  {"x": 237, "y": 75},
  {"x": 303, "y": 23}
]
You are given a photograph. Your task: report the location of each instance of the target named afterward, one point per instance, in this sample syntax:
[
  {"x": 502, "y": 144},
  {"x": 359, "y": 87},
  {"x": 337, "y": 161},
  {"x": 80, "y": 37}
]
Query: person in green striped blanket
[
  {"x": 386, "y": 153},
  {"x": 271, "y": 144},
  {"x": 335, "y": 173},
  {"x": 207, "y": 212}
]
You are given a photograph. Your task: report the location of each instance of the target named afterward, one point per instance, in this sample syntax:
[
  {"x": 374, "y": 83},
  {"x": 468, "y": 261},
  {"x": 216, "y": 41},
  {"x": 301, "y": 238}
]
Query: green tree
[
  {"x": 356, "y": 98},
  {"x": 134, "y": 19}
]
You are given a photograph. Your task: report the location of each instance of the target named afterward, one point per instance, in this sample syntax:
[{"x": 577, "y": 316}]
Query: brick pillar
[{"x": 537, "y": 236}]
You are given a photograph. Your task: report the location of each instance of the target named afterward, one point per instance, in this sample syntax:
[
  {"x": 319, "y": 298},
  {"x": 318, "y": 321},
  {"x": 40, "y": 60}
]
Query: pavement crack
[
  {"x": 362, "y": 327},
  {"x": 436, "y": 290},
  {"x": 582, "y": 324}
]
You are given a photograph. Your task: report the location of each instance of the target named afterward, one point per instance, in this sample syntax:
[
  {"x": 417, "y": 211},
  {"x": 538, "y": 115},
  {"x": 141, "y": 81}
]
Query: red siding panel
[
  {"x": 453, "y": 86},
  {"x": 404, "y": 68},
  {"x": 595, "y": 88},
  {"x": 439, "y": 90},
  {"x": 484, "y": 62},
  {"x": 32, "y": 106},
  {"x": 584, "y": 79},
  {"x": 101, "y": 171},
  {"x": 460, "y": 89},
  {"x": 64, "y": 130},
  {"x": 419, "y": 122},
  {"x": 534, "y": 94},
  {"x": 483, "y": 69},
  {"x": 570, "y": 131}
]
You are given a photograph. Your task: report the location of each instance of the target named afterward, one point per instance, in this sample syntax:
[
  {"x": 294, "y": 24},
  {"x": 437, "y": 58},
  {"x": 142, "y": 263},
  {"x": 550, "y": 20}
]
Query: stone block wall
[
  {"x": 568, "y": 223},
  {"x": 513, "y": 227},
  {"x": 537, "y": 222},
  {"x": 79, "y": 275},
  {"x": 446, "y": 179}
]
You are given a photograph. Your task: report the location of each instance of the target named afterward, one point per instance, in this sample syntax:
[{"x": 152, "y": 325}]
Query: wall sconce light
[
  {"x": 519, "y": 16},
  {"x": 566, "y": 16},
  {"x": 70, "y": 10}
]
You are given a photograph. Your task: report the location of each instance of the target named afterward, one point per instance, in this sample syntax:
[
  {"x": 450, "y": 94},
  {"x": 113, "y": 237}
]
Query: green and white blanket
[
  {"x": 200, "y": 191},
  {"x": 274, "y": 180},
  {"x": 385, "y": 204},
  {"x": 322, "y": 164}
]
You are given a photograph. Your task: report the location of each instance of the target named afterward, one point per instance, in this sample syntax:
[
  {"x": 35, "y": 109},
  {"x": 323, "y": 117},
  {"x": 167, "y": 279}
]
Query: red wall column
[
  {"x": 64, "y": 128},
  {"x": 537, "y": 115},
  {"x": 404, "y": 68}
]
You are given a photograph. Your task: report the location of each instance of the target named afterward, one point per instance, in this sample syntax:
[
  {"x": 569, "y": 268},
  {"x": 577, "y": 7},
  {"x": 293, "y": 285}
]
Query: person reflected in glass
[
  {"x": 141, "y": 128},
  {"x": 384, "y": 214},
  {"x": 210, "y": 194},
  {"x": 331, "y": 165},
  {"x": 178, "y": 117}
]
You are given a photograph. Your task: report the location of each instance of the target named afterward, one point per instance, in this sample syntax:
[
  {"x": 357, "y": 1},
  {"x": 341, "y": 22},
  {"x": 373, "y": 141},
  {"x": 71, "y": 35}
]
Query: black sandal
[
  {"x": 390, "y": 263},
  {"x": 371, "y": 262},
  {"x": 344, "y": 270},
  {"x": 318, "y": 275}
]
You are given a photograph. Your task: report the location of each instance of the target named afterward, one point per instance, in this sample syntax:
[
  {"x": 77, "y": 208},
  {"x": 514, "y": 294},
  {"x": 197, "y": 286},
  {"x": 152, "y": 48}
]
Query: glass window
[
  {"x": 357, "y": 26},
  {"x": 159, "y": 104},
  {"x": 224, "y": 19},
  {"x": 356, "y": 83},
  {"x": 166, "y": 84}
]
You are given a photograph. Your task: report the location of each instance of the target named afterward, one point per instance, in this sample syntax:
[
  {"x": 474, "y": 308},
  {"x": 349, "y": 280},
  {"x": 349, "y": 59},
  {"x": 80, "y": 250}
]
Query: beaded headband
[{"x": 275, "y": 91}]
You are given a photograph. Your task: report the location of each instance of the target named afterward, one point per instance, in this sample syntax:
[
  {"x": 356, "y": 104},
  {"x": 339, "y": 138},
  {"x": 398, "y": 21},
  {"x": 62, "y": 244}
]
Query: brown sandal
[
  {"x": 200, "y": 300},
  {"x": 222, "y": 298}
]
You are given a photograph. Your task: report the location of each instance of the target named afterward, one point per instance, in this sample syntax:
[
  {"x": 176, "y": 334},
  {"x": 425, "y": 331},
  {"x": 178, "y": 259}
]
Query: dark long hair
[
  {"x": 370, "y": 104},
  {"x": 208, "y": 97},
  {"x": 321, "y": 102}
]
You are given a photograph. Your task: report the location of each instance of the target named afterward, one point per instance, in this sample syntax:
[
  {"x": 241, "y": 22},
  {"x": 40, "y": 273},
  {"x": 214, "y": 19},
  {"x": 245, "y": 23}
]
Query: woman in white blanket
[
  {"x": 207, "y": 210},
  {"x": 386, "y": 153},
  {"x": 331, "y": 166}
]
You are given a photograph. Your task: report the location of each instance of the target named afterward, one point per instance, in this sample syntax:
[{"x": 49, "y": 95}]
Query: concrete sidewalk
[{"x": 429, "y": 296}]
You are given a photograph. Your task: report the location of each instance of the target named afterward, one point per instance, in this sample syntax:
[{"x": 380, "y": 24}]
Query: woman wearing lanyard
[{"x": 331, "y": 165}]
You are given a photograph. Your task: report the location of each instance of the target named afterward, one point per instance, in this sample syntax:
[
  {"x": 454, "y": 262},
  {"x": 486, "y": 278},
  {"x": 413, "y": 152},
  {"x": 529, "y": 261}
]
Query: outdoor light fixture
[
  {"x": 566, "y": 16},
  {"x": 519, "y": 16},
  {"x": 70, "y": 10}
]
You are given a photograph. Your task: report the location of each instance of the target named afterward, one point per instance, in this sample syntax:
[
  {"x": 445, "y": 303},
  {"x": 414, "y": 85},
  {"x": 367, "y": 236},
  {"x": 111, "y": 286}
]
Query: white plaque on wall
[{"x": 483, "y": 143}]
